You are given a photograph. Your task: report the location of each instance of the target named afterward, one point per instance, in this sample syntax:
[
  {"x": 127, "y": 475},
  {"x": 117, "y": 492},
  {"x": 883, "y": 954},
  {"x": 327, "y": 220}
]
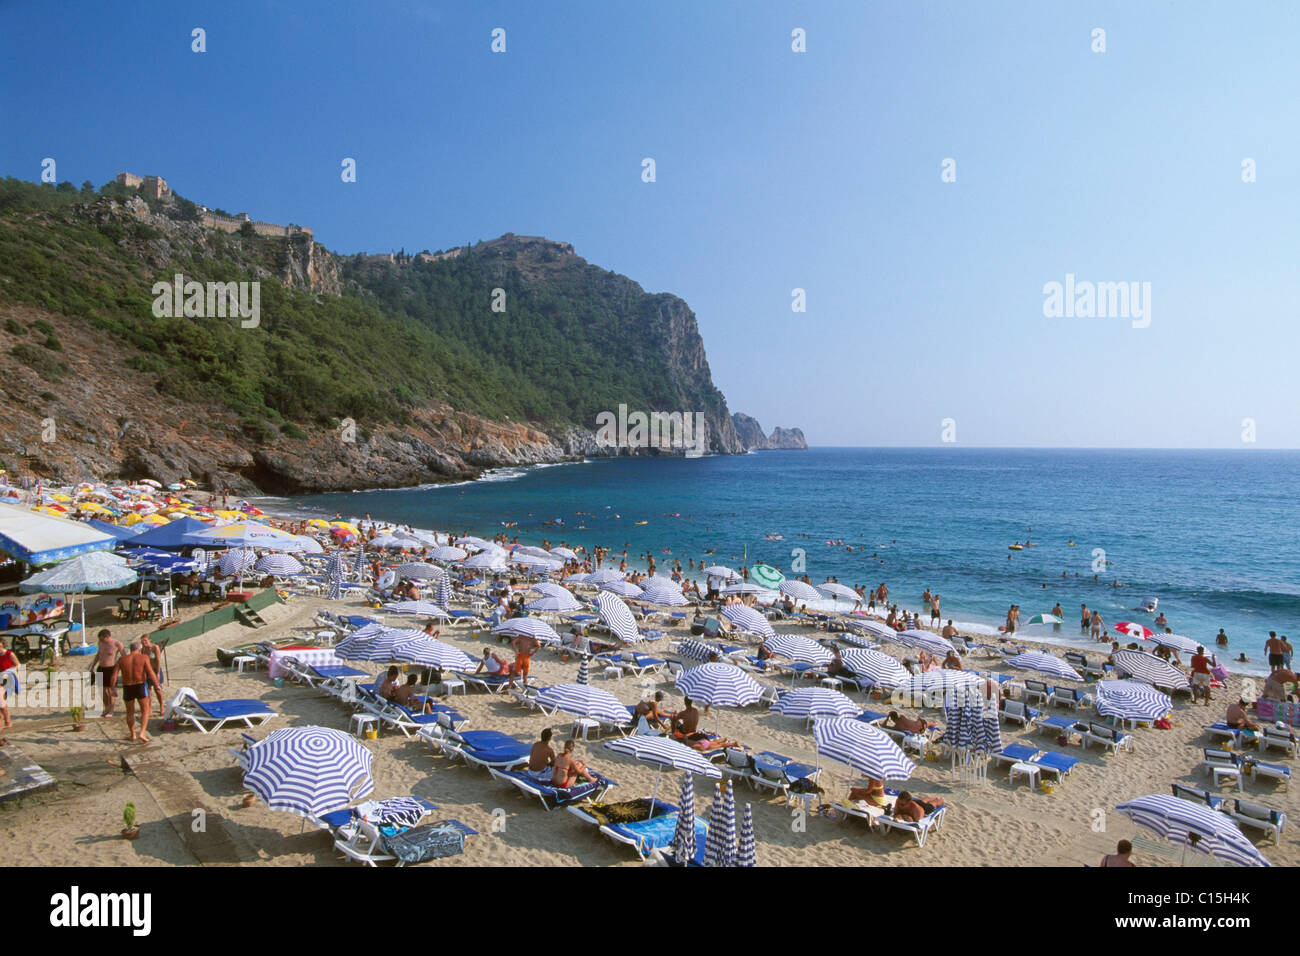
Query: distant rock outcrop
[
  {"x": 750, "y": 434},
  {"x": 787, "y": 438}
]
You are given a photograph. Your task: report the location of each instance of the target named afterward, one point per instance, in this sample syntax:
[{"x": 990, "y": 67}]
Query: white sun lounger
[{"x": 210, "y": 715}]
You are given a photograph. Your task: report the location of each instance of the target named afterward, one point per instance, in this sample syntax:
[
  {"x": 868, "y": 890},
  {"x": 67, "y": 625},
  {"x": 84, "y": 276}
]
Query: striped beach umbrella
[
  {"x": 766, "y": 575},
  {"x": 583, "y": 700},
  {"x": 871, "y": 627},
  {"x": 809, "y": 702},
  {"x": 430, "y": 652},
  {"x": 448, "y": 552},
  {"x": 359, "y": 565},
  {"x": 1183, "y": 645},
  {"x": 566, "y": 554},
  {"x": 1131, "y": 700},
  {"x": 1149, "y": 668},
  {"x": 866, "y": 749},
  {"x": 989, "y": 739},
  {"x": 923, "y": 641},
  {"x": 309, "y": 770},
  {"x": 684, "y": 835},
  {"x": 798, "y": 650},
  {"x": 617, "y": 617},
  {"x": 335, "y": 571},
  {"x": 663, "y": 754},
  {"x": 1193, "y": 825},
  {"x": 532, "y": 551},
  {"x": 837, "y": 591},
  {"x": 604, "y": 576},
  {"x": 528, "y": 627},
  {"x": 746, "y": 855},
  {"x": 937, "y": 688},
  {"x": 666, "y": 596},
  {"x": 375, "y": 643},
  {"x": 799, "y": 591},
  {"x": 442, "y": 591},
  {"x": 875, "y": 666},
  {"x": 719, "y": 685},
  {"x": 744, "y": 587},
  {"x": 698, "y": 650},
  {"x": 1044, "y": 664},
  {"x": 281, "y": 564},
  {"x": 552, "y": 589},
  {"x": 720, "y": 845},
  {"x": 553, "y": 604},
  {"x": 421, "y": 608},
  {"x": 584, "y": 675},
  {"x": 236, "y": 562},
  {"x": 419, "y": 571},
  {"x": 622, "y": 588},
  {"x": 720, "y": 572},
  {"x": 747, "y": 619},
  {"x": 577, "y": 578}
]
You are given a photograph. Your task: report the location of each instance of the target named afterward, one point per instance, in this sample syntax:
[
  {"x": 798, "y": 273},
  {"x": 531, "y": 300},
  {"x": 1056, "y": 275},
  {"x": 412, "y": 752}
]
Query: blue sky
[{"x": 775, "y": 171}]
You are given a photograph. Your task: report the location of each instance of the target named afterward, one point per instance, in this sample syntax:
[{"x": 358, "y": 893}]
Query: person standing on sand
[
  {"x": 151, "y": 651},
  {"x": 1200, "y": 675},
  {"x": 106, "y": 661},
  {"x": 137, "y": 677}
]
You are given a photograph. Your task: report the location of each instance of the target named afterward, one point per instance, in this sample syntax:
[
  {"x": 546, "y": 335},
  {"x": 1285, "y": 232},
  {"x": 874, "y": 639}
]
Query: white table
[
  {"x": 1032, "y": 771},
  {"x": 582, "y": 726}
]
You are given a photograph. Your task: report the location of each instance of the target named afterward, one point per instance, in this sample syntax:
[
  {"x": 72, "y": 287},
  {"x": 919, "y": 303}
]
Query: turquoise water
[{"x": 1212, "y": 534}]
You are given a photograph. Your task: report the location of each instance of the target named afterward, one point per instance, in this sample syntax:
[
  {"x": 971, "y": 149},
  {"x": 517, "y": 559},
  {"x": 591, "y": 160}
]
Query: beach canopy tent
[
  {"x": 171, "y": 536},
  {"x": 120, "y": 532},
  {"x": 43, "y": 539}
]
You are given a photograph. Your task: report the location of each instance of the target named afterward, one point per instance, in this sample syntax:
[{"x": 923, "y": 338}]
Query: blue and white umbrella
[
  {"x": 669, "y": 597},
  {"x": 448, "y": 552},
  {"x": 487, "y": 561},
  {"x": 720, "y": 844},
  {"x": 566, "y": 554},
  {"x": 281, "y": 564},
  {"x": 442, "y": 591},
  {"x": 583, "y": 700},
  {"x": 604, "y": 576},
  {"x": 578, "y": 578},
  {"x": 617, "y": 617},
  {"x": 1044, "y": 664},
  {"x": 799, "y": 591},
  {"x": 1193, "y": 825},
  {"x": 236, "y": 562},
  {"x": 1149, "y": 668},
  {"x": 1183, "y": 645},
  {"x": 798, "y": 650},
  {"x": 684, "y": 835},
  {"x": 663, "y": 754},
  {"x": 837, "y": 591},
  {"x": 535, "y": 565},
  {"x": 93, "y": 571},
  {"x": 419, "y": 571},
  {"x": 922, "y": 641},
  {"x": 428, "y": 651},
  {"x": 388, "y": 542},
  {"x": 552, "y": 589},
  {"x": 937, "y": 688},
  {"x": 584, "y": 675},
  {"x": 335, "y": 572},
  {"x": 815, "y": 702},
  {"x": 875, "y": 666},
  {"x": 1131, "y": 700},
  {"x": 622, "y": 588},
  {"x": 309, "y": 770},
  {"x": 553, "y": 604},
  {"x": 746, "y": 855},
  {"x": 420, "y": 608},
  {"x": 375, "y": 643},
  {"x": 309, "y": 544},
  {"x": 359, "y": 565},
  {"x": 721, "y": 573},
  {"x": 747, "y": 619},
  {"x": 529, "y": 627},
  {"x": 720, "y": 685},
  {"x": 872, "y": 628},
  {"x": 745, "y": 587},
  {"x": 866, "y": 749},
  {"x": 699, "y": 650}
]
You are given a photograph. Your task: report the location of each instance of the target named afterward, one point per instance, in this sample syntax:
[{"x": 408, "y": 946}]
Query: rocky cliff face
[{"x": 749, "y": 431}]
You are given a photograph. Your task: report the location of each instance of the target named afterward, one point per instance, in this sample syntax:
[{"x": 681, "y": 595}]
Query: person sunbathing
[
  {"x": 496, "y": 666},
  {"x": 952, "y": 662},
  {"x": 1237, "y": 719},
  {"x": 915, "y": 809},
  {"x": 908, "y": 725},
  {"x": 873, "y": 793},
  {"x": 652, "y": 711},
  {"x": 569, "y": 769},
  {"x": 406, "y": 696},
  {"x": 685, "y": 723},
  {"x": 387, "y": 688}
]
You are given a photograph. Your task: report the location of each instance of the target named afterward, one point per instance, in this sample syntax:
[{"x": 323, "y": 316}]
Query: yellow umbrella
[
  {"x": 318, "y": 523},
  {"x": 345, "y": 526},
  {"x": 59, "y": 496},
  {"x": 155, "y": 519},
  {"x": 192, "y": 484},
  {"x": 46, "y": 509}
]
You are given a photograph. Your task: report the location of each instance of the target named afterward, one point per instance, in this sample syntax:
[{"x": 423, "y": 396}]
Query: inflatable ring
[{"x": 386, "y": 580}]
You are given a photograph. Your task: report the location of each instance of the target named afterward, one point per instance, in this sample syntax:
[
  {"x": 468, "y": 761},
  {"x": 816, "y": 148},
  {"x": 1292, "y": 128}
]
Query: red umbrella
[{"x": 1134, "y": 630}]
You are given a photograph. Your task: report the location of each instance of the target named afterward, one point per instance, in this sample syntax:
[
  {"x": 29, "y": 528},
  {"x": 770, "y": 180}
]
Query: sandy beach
[{"x": 183, "y": 772}]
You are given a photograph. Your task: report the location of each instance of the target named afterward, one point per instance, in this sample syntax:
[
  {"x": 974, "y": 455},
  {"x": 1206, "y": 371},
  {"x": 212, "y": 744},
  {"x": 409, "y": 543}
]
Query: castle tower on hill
[{"x": 153, "y": 186}]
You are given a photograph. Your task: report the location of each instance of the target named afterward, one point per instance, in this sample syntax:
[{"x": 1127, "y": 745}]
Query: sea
[{"x": 1212, "y": 535}]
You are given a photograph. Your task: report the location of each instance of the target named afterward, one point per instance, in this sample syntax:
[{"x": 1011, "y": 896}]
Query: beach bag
[
  {"x": 1164, "y": 724},
  {"x": 1063, "y": 740},
  {"x": 430, "y": 842},
  {"x": 1219, "y": 672}
]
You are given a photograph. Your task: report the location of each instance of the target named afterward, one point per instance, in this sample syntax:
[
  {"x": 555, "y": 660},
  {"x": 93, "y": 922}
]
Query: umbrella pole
[{"x": 654, "y": 794}]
